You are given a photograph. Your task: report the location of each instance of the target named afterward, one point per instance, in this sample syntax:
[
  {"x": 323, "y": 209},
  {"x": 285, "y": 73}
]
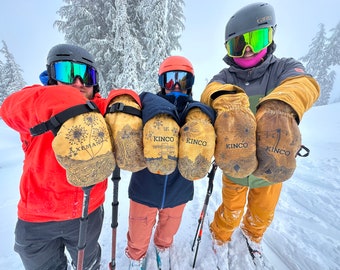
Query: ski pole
[
  {"x": 114, "y": 224},
  {"x": 199, "y": 230},
  {"x": 83, "y": 227}
]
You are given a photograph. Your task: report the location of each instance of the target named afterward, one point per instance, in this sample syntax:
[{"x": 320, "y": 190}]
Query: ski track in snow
[{"x": 304, "y": 235}]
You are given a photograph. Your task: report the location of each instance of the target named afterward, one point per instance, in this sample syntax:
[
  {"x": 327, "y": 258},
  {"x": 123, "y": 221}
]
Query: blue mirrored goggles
[
  {"x": 168, "y": 80},
  {"x": 67, "y": 71}
]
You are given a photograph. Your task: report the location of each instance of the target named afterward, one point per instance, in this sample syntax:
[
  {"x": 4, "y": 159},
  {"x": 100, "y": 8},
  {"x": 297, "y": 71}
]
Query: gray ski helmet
[
  {"x": 249, "y": 18},
  {"x": 68, "y": 52}
]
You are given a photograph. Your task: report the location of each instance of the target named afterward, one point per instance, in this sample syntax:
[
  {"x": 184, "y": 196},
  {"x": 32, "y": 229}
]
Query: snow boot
[
  {"x": 163, "y": 258},
  {"x": 221, "y": 251},
  {"x": 137, "y": 264},
  {"x": 256, "y": 252}
]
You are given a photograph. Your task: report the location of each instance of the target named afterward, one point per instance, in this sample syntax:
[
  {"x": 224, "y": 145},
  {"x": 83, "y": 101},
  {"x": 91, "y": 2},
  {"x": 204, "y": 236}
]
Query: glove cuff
[{"x": 277, "y": 107}]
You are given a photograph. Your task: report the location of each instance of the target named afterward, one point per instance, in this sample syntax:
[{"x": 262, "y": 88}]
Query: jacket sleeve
[
  {"x": 153, "y": 105},
  {"x": 16, "y": 110},
  {"x": 299, "y": 92},
  {"x": 35, "y": 104}
]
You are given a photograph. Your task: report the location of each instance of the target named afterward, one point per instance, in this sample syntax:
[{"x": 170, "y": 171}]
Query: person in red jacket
[{"x": 50, "y": 208}]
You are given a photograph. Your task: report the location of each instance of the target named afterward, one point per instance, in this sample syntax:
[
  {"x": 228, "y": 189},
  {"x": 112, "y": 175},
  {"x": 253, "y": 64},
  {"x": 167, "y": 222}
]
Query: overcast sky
[{"x": 27, "y": 28}]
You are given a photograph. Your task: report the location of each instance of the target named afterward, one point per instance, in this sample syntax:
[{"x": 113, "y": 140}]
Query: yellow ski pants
[{"x": 260, "y": 206}]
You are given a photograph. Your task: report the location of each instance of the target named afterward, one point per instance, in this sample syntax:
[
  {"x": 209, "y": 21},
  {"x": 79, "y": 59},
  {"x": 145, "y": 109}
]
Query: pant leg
[
  {"x": 92, "y": 252},
  {"x": 228, "y": 216},
  {"x": 142, "y": 218},
  {"x": 260, "y": 210},
  {"x": 169, "y": 220},
  {"x": 39, "y": 246}
]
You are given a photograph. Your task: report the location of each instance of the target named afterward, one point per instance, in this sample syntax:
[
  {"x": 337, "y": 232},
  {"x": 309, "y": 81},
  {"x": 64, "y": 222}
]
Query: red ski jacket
[{"x": 45, "y": 194}]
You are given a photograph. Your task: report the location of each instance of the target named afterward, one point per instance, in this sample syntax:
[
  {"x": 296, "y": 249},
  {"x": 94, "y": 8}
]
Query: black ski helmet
[
  {"x": 249, "y": 18},
  {"x": 69, "y": 52}
]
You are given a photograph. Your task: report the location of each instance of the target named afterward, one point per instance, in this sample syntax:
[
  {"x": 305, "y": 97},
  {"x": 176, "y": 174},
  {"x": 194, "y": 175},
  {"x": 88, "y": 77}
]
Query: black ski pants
[{"x": 41, "y": 246}]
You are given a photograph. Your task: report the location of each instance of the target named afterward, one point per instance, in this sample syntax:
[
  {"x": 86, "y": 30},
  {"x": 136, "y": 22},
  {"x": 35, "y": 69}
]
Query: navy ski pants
[{"x": 41, "y": 246}]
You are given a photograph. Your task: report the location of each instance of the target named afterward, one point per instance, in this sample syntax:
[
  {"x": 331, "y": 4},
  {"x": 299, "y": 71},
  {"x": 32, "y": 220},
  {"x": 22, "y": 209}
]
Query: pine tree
[
  {"x": 160, "y": 35},
  {"x": 319, "y": 66},
  {"x": 3, "y": 93},
  {"x": 333, "y": 46},
  {"x": 11, "y": 79},
  {"x": 333, "y": 52},
  {"x": 128, "y": 49},
  {"x": 128, "y": 38}
]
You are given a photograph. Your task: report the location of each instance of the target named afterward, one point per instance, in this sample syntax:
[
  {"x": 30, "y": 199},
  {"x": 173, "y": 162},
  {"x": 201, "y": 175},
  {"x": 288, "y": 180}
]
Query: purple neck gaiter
[{"x": 247, "y": 63}]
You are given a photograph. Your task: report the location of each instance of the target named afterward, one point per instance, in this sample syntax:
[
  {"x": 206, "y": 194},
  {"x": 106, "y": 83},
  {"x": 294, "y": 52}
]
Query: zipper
[{"x": 164, "y": 191}]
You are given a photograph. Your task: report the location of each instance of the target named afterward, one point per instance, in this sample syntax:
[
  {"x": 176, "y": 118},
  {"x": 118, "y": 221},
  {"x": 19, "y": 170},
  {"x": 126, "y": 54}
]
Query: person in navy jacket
[{"x": 165, "y": 196}]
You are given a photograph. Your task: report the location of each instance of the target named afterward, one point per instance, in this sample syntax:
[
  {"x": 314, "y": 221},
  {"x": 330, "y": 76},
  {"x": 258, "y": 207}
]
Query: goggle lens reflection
[
  {"x": 67, "y": 71},
  {"x": 257, "y": 40},
  {"x": 170, "y": 79}
]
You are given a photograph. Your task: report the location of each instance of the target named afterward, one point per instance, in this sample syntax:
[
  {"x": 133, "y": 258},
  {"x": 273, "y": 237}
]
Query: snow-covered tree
[
  {"x": 127, "y": 49},
  {"x": 160, "y": 35},
  {"x": 318, "y": 65},
  {"x": 129, "y": 39},
  {"x": 11, "y": 78},
  {"x": 333, "y": 46}
]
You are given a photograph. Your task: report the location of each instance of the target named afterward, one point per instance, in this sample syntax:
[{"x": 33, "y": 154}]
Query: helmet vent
[
  {"x": 231, "y": 34},
  {"x": 87, "y": 59},
  {"x": 63, "y": 54}
]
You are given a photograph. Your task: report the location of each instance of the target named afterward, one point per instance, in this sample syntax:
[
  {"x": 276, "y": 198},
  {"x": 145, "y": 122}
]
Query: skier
[
  {"x": 157, "y": 192},
  {"x": 260, "y": 100},
  {"x": 51, "y": 196}
]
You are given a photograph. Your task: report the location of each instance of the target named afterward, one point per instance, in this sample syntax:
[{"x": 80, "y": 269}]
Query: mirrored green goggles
[
  {"x": 257, "y": 40},
  {"x": 67, "y": 71}
]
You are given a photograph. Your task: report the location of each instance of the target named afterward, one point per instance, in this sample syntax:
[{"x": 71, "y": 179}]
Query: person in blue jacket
[{"x": 163, "y": 196}]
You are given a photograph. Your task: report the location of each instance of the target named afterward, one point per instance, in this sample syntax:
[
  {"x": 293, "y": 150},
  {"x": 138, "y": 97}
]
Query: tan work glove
[
  {"x": 83, "y": 147},
  {"x": 235, "y": 128},
  {"x": 278, "y": 141},
  {"x": 160, "y": 140},
  {"x": 126, "y": 132},
  {"x": 196, "y": 145}
]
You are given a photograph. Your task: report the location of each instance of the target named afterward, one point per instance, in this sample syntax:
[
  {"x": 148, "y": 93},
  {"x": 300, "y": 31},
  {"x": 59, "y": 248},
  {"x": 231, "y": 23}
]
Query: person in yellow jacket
[{"x": 259, "y": 100}]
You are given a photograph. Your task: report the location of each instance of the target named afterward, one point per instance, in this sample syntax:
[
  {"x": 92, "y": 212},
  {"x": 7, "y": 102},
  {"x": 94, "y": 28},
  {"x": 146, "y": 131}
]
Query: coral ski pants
[
  {"x": 142, "y": 218},
  {"x": 259, "y": 214}
]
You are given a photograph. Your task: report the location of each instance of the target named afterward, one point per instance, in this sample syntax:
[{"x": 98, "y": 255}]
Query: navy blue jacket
[{"x": 164, "y": 191}]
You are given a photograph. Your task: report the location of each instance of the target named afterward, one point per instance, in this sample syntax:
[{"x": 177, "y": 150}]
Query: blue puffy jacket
[{"x": 163, "y": 191}]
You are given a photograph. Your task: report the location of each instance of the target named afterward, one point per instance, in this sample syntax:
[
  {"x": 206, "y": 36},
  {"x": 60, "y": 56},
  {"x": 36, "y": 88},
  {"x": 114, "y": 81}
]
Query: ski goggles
[
  {"x": 257, "y": 40},
  {"x": 67, "y": 71},
  {"x": 170, "y": 79}
]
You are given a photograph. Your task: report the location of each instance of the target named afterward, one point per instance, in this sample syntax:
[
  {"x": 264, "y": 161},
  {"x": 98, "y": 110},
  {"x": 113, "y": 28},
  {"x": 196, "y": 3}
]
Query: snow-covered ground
[{"x": 305, "y": 233}]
